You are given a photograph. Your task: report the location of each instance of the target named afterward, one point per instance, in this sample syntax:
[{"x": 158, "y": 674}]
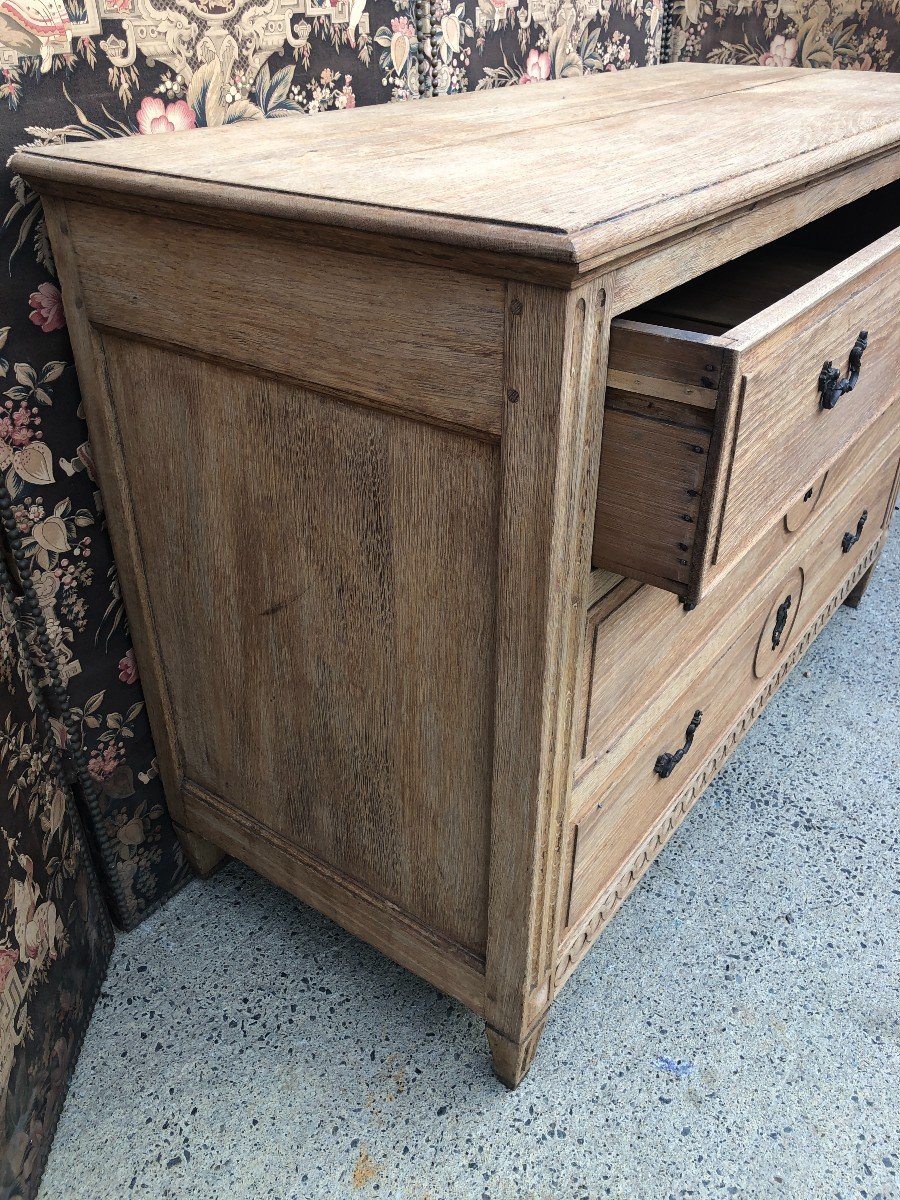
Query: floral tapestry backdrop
[
  {"x": 860, "y": 35},
  {"x": 493, "y": 43},
  {"x": 55, "y": 936}
]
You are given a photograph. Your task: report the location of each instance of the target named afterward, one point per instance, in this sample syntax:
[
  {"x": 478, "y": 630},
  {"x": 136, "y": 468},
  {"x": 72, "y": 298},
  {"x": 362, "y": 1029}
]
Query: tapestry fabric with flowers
[
  {"x": 494, "y": 43},
  {"x": 857, "y": 35},
  {"x": 55, "y": 936}
]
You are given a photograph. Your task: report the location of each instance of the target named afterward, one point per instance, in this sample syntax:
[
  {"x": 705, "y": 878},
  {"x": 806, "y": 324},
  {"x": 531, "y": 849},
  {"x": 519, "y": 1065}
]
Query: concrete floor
[{"x": 733, "y": 1033}]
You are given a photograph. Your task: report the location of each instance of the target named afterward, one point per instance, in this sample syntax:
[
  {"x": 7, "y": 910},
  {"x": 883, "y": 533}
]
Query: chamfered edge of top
[{"x": 67, "y": 169}]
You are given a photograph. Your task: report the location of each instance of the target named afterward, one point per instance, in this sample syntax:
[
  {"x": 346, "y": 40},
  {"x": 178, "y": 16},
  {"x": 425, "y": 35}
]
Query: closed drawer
[
  {"x": 727, "y": 403},
  {"x": 663, "y": 637},
  {"x": 657, "y": 754}
]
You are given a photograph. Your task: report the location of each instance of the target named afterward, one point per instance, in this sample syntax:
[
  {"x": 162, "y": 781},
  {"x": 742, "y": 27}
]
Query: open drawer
[{"x": 729, "y": 397}]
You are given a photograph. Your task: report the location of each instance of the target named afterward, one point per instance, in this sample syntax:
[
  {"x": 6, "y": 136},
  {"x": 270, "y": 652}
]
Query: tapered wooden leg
[
  {"x": 203, "y": 856},
  {"x": 859, "y": 591},
  {"x": 512, "y": 1060}
]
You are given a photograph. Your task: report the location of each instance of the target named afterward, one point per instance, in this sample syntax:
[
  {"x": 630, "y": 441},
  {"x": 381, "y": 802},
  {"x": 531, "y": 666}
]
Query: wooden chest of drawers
[{"x": 477, "y": 470}]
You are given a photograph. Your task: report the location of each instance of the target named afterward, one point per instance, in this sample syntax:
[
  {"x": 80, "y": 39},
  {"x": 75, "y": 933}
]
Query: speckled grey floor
[{"x": 733, "y": 1033}]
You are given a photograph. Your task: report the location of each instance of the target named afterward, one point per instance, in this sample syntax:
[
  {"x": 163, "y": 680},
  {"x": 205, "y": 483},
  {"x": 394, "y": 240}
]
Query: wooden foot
[
  {"x": 512, "y": 1060},
  {"x": 859, "y": 591},
  {"x": 203, "y": 856}
]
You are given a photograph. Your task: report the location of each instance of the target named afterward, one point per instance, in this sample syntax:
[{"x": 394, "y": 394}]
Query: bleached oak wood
[
  {"x": 391, "y": 728},
  {"x": 721, "y": 683},
  {"x": 721, "y": 428},
  {"x": 204, "y": 857},
  {"x": 368, "y": 915},
  {"x": 301, "y": 310},
  {"x": 688, "y": 253},
  {"x": 388, "y": 608},
  {"x": 555, "y": 365},
  {"x": 665, "y": 640},
  {"x": 611, "y": 189}
]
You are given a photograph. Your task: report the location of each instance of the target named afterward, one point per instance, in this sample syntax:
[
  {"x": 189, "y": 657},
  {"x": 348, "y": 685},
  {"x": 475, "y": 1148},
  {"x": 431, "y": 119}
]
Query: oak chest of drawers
[{"x": 477, "y": 469}]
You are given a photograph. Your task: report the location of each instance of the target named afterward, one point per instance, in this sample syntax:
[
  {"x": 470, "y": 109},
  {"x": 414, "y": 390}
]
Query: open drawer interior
[
  {"x": 733, "y": 293},
  {"x": 718, "y": 411}
]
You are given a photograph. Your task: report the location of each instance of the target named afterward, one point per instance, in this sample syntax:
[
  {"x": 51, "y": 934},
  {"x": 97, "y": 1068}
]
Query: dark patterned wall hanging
[
  {"x": 497, "y": 43},
  {"x": 55, "y": 936},
  {"x": 858, "y": 35}
]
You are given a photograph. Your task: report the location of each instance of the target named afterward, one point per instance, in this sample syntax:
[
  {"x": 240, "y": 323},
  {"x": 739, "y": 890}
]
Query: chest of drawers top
[{"x": 572, "y": 177}]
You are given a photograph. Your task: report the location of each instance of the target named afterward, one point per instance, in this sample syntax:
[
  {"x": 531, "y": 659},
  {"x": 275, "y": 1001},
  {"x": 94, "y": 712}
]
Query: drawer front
[
  {"x": 655, "y": 756},
  {"x": 712, "y": 436},
  {"x": 786, "y": 436},
  {"x": 663, "y": 637},
  {"x": 801, "y": 511}
]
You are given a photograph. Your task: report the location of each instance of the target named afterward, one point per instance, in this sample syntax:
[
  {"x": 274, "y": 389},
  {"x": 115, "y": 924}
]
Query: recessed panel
[{"x": 321, "y": 584}]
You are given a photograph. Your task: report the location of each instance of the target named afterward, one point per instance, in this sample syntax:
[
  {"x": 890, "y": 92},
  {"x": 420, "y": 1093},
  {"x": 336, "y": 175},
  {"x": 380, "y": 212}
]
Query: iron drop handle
[
  {"x": 831, "y": 385},
  {"x": 849, "y": 540},
  {"x": 666, "y": 763},
  {"x": 781, "y": 617}
]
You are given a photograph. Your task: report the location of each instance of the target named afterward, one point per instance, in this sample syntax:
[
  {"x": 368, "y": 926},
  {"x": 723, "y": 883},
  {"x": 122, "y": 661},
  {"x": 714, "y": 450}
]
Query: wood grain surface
[
  {"x": 382, "y": 663},
  {"x": 714, "y": 430},
  {"x": 334, "y": 321},
  {"x": 624, "y": 799},
  {"x": 743, "y": 134},
  {"x": 555, "y": 372},
  {"x": 290, "y": 579},
  {"x": 666, "y": 639}
]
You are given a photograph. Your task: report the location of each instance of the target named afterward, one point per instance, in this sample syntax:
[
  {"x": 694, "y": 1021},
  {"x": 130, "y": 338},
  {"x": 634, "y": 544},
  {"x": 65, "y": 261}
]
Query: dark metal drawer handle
[
  {"x": 666, "y": 763},
  {"x": 831, "y": 386},
  {"x": 780, "y": 621},
  {"x": 850, "y": 539}
]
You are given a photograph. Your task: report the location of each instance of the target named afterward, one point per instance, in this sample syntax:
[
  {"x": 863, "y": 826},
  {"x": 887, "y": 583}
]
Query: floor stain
[{"x": 365, "y": 1170}]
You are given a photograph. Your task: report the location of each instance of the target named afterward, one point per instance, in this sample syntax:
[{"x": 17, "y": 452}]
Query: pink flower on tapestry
[
  {"x": 48, "y": 308},
  {"x": 537, "y": 67},
  {"x": 102, "y": 763},
  {"x": 8, "y": 959},
  {"x": 405, "y": 27},
  {"x": 155, "y": 116},
  {"x": 781, "y": 53},
  {"x": 128, "y": 671}
]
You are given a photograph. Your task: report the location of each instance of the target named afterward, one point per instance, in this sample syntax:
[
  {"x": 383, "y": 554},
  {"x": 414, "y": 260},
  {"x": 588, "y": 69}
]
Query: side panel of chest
[
  {"x": 343, "y": 324},
  {"x": 305, "y": 508},
  {"x": 330, "y": 680}
]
